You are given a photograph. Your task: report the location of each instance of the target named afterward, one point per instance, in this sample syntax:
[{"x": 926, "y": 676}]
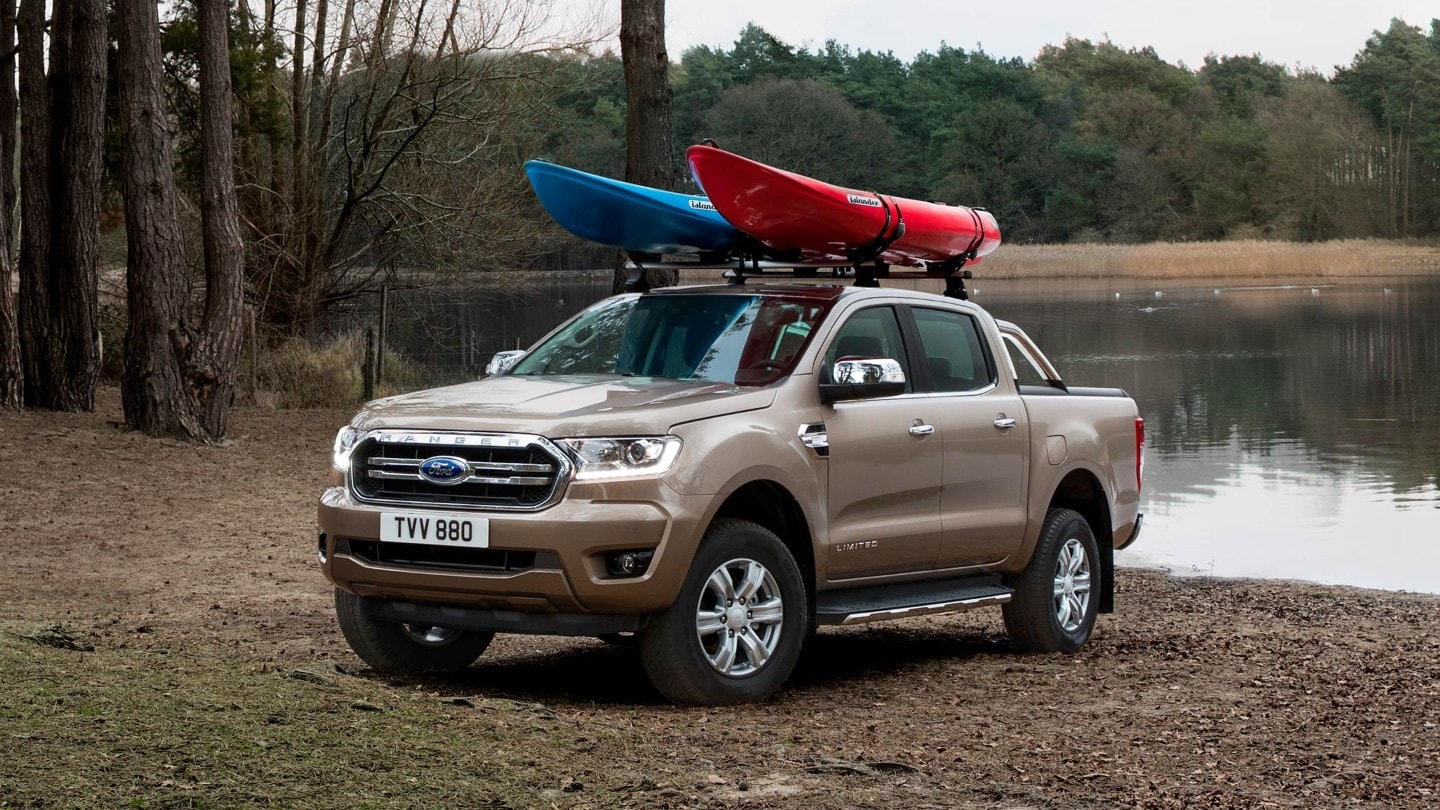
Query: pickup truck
[{"x": 711, "y": 473}]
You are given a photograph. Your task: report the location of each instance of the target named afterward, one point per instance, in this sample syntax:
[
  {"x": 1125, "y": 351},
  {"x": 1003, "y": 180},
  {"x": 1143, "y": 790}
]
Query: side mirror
[
  {"x": 862, "y": 378},
  {"x": 502, "y": 362}
]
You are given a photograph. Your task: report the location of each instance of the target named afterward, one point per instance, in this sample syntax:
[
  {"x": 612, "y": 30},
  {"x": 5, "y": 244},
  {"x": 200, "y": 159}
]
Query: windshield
[{"x": 740, "y": 339}]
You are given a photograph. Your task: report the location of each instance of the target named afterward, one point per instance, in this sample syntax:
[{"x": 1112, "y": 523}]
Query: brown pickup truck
[{"x": 713, "y": 472}]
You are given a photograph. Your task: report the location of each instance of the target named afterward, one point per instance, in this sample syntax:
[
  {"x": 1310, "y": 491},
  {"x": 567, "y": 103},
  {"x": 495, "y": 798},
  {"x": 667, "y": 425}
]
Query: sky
[{"x": 1315, "y": 34}]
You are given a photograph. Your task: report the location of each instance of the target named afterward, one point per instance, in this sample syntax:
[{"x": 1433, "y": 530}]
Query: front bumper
[{"x": 566, "y": 542}]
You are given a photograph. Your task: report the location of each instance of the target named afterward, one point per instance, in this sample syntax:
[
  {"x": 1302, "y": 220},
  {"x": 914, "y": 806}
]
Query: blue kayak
[{"x": 624, "y": 215}]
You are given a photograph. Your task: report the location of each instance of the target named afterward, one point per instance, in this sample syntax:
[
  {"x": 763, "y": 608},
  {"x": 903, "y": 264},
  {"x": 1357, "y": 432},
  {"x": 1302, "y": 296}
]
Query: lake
[{"x": 1293, "y": 429}]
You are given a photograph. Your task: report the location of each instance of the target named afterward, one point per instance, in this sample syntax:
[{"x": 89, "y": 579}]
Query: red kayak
[{"x": 792, "y": 213}]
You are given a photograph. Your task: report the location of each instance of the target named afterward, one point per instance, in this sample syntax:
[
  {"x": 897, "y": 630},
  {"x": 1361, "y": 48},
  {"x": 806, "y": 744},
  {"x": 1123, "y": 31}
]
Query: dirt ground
[{"x": 197, "y": 664}]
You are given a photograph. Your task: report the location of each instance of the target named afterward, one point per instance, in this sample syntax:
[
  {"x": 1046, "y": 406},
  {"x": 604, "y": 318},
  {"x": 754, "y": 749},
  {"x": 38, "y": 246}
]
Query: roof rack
[{"x": 738, "y": 269}]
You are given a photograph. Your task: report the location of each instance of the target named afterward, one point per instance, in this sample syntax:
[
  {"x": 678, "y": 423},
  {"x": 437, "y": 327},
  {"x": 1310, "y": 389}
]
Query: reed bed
[
  {"x": 1248, "y": 258},
  {"x": 1253, "y": 259}
]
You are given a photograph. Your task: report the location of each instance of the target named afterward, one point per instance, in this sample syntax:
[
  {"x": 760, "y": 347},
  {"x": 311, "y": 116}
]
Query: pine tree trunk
[
  {"x": 213, "y": 369},
  {"x": 649, "y": 150},
  {"x": 12, "y": 379},
  {"x": 179, "y": 380},
  {"x": 649, "y": 154},
  {"x": 9, "y": 120},
  {"x": 77, "y": 131},
  {"x": 300, "y": 148},
  {"x": 34, "y": 264},
  {"x": 317, "y": 108},
  {"x": 155, "y": 393},
  {"x": 62, "y": 133}
]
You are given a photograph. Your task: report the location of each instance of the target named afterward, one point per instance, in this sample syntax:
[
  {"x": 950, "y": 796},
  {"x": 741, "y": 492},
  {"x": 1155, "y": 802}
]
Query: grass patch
[
  {"x": 1254, "y": 259},
  {"x": 299, "y": 373},
  {"x": 117, "y": 728}
]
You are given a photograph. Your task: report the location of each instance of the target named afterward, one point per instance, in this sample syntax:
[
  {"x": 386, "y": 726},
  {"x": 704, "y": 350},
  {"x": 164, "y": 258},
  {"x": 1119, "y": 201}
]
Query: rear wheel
[
  {"x": 1055, "y": 603},
  {"x": 735, "y": 631},
  {"x": 406, "y": 648}
]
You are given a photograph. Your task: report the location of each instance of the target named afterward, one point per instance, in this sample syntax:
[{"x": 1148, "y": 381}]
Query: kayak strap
[{"x": 885, "y": 238}]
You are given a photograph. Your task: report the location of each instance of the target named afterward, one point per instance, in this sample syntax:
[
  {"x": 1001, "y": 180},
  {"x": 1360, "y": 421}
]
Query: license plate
[{"x": 434, "y": 529}]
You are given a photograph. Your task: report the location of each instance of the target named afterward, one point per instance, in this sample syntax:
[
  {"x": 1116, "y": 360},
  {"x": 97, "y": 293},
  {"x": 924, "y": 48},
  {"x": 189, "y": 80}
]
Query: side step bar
[{"x": 882, "y": 602}]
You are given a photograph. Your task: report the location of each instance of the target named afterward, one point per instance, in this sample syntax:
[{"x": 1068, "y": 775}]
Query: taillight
[{"x": 1139, "y": 451}]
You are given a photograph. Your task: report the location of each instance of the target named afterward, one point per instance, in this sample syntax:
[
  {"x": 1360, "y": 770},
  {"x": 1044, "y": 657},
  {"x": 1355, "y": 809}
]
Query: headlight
[
  {"x": 345, "y": 441},
  {"x": 609, "y": 459}
]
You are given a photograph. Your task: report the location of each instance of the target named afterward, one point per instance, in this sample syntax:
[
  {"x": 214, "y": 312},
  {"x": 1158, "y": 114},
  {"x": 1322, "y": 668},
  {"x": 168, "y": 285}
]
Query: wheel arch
[
  {"x": 1082, "y": 491},
  {"x": 770, "y": 504}
]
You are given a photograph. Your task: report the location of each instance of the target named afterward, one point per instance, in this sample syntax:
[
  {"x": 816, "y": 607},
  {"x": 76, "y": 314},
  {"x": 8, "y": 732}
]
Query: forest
[
  {"x": 1088, "y": 142},
  {"x": 379, "y": 143}
]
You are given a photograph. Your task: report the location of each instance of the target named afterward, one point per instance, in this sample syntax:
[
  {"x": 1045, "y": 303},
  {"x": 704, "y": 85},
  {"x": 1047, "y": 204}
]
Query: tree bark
[
  {"x": 318, "y": 110},
  {"x": 77, "y": 72},
  {"x": 649, "y": 150},
  {"x": 9, "y": 120},
  {"x": 299, "y": 166},
  {"x": 153, "y": 386},
  {"x": 12, "y": 379},
  {"x": 63, "y": 135},
  {"x": 34, "y": 302},
  {"x": 649, "y": 153},
  {"x": 214, "y": 367},
  {"x": 179, "y": 380}
]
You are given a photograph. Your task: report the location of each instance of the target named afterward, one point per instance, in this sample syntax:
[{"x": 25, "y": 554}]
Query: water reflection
[{"x": 1294, "y": 430}]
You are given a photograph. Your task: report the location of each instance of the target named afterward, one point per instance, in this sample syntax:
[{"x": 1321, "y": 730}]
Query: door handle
[
  {"x": 1005, "y": 423},
  {"x": 921, "y": 429}
]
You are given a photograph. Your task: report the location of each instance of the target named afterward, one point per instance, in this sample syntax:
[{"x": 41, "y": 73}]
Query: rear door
[
  {"x": 985, "y": 437},
  {"x": 884, "y": 460}
]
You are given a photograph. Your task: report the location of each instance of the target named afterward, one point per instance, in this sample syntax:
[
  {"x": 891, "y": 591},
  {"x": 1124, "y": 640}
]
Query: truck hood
[{"x": 563, "y": 406}]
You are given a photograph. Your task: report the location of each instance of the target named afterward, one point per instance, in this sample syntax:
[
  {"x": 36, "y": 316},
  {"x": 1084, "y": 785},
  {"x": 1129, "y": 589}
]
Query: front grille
[
  {"x": 479, "y": 560},
  {"x": 503, "y": 471}
]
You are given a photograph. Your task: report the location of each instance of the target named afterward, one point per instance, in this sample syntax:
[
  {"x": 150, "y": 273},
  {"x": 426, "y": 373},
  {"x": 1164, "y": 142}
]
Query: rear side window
[
  {"x": 1026, "y": 372},
  {"x": 873, "y": 332},
  {"x": 954, "y": 350}
]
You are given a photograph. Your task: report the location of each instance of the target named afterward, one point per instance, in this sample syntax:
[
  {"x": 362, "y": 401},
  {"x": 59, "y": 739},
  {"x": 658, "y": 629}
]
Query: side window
[
  {"x": 873, "y": 332},
  {"x": 1025, "y": 371},
  {"x": 954, "y": 350}
]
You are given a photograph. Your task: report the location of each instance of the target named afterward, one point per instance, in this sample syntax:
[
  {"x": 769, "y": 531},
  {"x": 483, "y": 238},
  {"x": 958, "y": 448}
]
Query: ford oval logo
[{"x": 447, "y": 470}]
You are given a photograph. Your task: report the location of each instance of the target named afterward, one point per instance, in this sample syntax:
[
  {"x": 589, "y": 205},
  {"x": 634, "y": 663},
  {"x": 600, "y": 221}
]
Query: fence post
[
  {"x": 384, "y": 319},
  {"x": 372, "y": 338},
  {"x": 251, "y": 338}
]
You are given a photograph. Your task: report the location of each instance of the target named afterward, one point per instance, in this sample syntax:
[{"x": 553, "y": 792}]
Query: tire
[
  {"x": 707, "y": 653},
  {"x": 406, "y": 648},
  {"x": 1056, "y": 600}
]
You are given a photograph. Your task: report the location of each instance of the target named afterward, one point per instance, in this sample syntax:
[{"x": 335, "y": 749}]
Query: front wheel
[
  {"x": 406, "y": 648},
  {"x": 1054, "y": 607},
  {"x": 735, "y": 631}
]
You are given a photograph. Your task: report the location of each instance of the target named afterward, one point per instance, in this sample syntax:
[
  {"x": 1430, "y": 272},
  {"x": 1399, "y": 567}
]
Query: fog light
[
  {"x": 628, "y": 563},
  {"x": 321, "y": 546}
]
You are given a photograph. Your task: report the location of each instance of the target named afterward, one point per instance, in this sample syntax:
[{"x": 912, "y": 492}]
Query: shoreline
[{"x": 1257, "y": 260}]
